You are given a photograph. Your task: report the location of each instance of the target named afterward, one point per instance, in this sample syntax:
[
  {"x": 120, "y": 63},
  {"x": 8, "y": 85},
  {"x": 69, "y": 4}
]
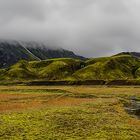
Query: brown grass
[{"x": 12, "y": 102}]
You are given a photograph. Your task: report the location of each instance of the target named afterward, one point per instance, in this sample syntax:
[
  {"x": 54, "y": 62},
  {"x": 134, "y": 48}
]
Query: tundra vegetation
[{"x": 67, "y": 112}]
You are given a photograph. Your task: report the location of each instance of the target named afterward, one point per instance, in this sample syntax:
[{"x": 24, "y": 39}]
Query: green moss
[
  {"x": 95, "y": 60},
  {"x": 20, "y": 73},
  {"x": 55, "y": 70},
  {"x": 116, "y": 67},
  {"x": 48, "y": 69},
  {"x": 105, "y": 68}
]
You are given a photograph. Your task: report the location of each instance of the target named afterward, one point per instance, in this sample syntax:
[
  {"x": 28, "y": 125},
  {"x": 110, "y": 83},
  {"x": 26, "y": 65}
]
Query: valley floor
[{"x": 67, "y": 112}]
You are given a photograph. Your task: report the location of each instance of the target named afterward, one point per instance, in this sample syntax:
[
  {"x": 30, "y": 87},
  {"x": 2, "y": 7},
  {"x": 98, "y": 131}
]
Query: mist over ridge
[{"x": 87, "y": 27}]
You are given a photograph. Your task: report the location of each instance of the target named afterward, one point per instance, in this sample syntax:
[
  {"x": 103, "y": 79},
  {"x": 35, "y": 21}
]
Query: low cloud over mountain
[{"x": 88, "y": 27}]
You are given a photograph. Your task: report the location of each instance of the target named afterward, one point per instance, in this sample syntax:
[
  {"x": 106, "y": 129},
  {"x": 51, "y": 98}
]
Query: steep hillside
[
  {"x": 116, "y": 67},
  {"x": 53, "y": 69},
  {"x": 13, "y": 51}
]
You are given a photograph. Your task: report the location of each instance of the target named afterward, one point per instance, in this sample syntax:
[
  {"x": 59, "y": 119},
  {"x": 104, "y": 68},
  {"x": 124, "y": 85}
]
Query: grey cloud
[
  {"x": 14, "y": 9},
  {"x": 88, "y": 27}
]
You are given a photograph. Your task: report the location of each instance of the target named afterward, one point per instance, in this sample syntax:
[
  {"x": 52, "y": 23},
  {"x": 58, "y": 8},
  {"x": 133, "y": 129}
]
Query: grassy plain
[{"x": 67, "y": 112}]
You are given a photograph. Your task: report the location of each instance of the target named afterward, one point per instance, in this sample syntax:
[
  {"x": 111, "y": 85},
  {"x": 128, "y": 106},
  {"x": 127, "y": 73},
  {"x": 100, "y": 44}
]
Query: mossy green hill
[
  {"x": 106, "y": 68},
  {"x": 51, "y": 69},
  {"x": 110, "y": 68}
]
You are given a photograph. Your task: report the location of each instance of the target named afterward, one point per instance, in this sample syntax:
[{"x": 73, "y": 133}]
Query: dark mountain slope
[
  {"x": 13, "y": 51},
  {"x": 43, "y": 51}
]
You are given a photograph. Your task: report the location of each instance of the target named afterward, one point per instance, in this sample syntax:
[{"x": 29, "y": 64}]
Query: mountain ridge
[
  {"x": 13, "y": 51},
  {"x": 135, "y": 54},
  {"x": 118, "y": 67},
  {"x": 33, "y": 61}
]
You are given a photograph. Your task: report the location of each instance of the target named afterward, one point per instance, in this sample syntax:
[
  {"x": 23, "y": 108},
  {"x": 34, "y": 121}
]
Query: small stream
[{"x": 134, "y": 106}]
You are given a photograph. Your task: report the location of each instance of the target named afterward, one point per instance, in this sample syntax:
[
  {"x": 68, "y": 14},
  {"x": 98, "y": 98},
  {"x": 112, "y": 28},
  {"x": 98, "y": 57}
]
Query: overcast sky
[{"x": 88, "y": 27}]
